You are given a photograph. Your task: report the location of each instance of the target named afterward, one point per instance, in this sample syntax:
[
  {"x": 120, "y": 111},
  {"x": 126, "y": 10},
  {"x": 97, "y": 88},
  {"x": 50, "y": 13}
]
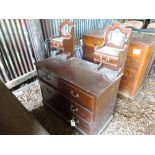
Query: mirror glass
[
  {"x": 116, "y": 37},
  {"x": 66, "y": 29}
]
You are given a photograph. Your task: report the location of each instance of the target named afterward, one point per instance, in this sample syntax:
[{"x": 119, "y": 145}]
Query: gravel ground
[{"x": 131, "y": 117}]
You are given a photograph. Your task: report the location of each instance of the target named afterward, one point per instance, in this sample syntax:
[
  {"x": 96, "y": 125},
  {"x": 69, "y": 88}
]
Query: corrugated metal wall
[
  {"x": 16, "y": 52},
  {"x": 51, "y": 26},
  {"x": 22, "y": 42}
]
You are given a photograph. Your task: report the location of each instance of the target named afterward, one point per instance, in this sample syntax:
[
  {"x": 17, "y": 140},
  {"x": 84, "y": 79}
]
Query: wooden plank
[{"x": 21, "y": 79}]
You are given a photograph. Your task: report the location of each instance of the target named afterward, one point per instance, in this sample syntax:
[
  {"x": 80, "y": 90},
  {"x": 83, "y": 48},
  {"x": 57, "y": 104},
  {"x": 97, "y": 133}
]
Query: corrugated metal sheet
[
  {"x": 21, "y": 42},
  {"x": 51, "y": 26},
  {"x": 15, "y": 49}
]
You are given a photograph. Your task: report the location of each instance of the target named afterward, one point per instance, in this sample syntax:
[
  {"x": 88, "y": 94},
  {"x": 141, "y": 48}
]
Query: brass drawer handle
[
  {"x": 108, "y": 60},
  {"x": 73, "y": 109},
  {"x": 74, "y": 95}
]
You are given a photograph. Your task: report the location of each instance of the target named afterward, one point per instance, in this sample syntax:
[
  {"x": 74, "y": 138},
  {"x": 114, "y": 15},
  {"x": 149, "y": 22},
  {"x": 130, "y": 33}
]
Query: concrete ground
[{"x": 136, "y": 117}]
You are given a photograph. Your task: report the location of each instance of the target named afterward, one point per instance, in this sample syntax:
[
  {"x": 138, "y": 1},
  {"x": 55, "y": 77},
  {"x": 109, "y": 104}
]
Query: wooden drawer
[
  {"x": 63, "y": 105},
  {"x": 129, "y": 74},
  {"x": 78, "y": 110},
  {"x": 109, "y": 61},
  {"x": 132, "y": 62},
  {"x": 49, "y": 78},
  {"x": 136, "y": 51},
  {"x": 79, "y": 124},
  {"x": 77, "y": 95}
]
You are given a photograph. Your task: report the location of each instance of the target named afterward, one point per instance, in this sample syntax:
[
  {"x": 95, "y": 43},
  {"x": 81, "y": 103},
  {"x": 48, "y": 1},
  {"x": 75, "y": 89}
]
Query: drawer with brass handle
[
  {"x": 108, "y": 59},
  {"x": 77, "y": 95},
  {"x": 83, "y": 113},
  {"x": 50, "y": 95}
]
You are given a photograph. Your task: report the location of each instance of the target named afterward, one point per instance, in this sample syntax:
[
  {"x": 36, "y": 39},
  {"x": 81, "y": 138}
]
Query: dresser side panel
[{"x": 105, "y": 106}]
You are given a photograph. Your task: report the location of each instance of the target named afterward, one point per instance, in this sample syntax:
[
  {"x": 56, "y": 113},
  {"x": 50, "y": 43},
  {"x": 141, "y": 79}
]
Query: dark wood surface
[
  {"x": 62, "y": 104},
  {"x": 14, "y": 119},
  {"x": 82, "y": 74},
  {"x": 78, "y": 92}
]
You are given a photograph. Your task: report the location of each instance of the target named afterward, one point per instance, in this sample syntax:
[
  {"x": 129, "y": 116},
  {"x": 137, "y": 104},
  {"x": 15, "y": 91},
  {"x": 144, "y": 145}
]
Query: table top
[{"x": 79, "y": 72}]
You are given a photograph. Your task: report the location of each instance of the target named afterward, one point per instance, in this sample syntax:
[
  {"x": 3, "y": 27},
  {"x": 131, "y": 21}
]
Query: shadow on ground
[{"x": 53, "y": 123}]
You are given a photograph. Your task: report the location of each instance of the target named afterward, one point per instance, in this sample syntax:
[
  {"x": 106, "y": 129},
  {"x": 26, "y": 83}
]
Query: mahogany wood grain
[
  {"x": 63, "y": 104},
  {"x": 83, "y": 95},
  {"x": 78, "y": 95}
]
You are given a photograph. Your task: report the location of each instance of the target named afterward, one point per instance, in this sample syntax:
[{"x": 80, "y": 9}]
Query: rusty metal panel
[{"x": 16, "y": 52}]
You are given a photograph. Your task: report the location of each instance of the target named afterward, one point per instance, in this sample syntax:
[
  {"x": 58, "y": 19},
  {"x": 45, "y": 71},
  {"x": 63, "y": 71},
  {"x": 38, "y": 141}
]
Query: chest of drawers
[
  {"x": 77, "y": 92},
  {"x": 139, "y": 56},
  {"x": 90, "y": 40}
]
